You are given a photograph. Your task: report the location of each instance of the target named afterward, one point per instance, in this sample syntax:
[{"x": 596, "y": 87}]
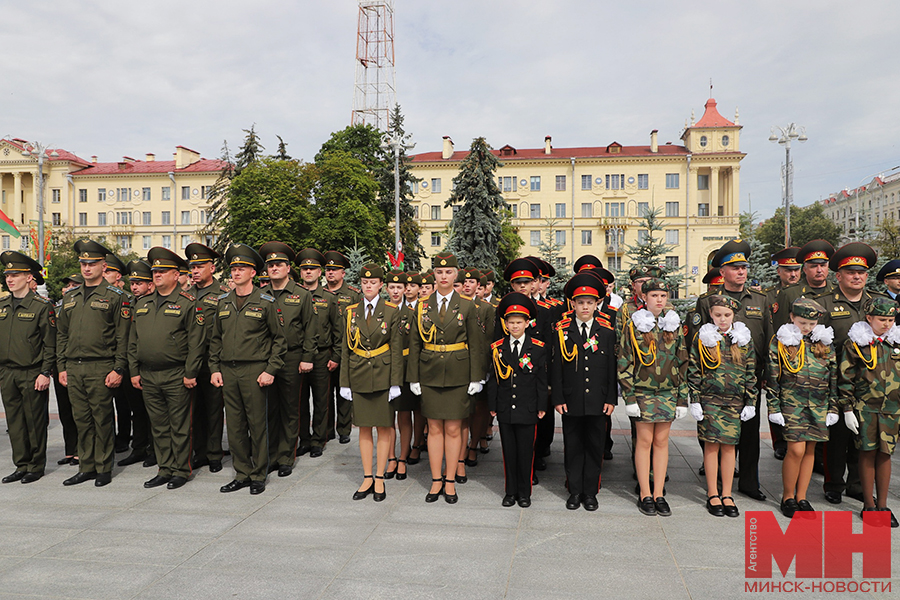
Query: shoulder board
[
  {"x": 605, "y": 324},
  {"x": 326, "y": 292},
  {"x": 4, "y": 295},
  {"x": 771, "y": 288},
  {"x": 115, "y": 289},
  {"x": 497, "y": 344},
  {"x": 754, "y": 291},
  {"x": 391, "y": 304},
  {"x": 41, "y": 299},
  {"x": 601, "y": 318},
  {"x": 222, "y": 297},
  {"x": 563, "y": 324},
  {"x": 267, "y": 297},
  {"x": 567, "y": 314},
  {"x": 709, "y": 293},
  {"x": 188, "y": 296},
  {"x": 542, "y": 304},
  {"x": 353, "y": 289},
  {"x": 353, "y": 306},
  {"x": 537, "y": 342}
]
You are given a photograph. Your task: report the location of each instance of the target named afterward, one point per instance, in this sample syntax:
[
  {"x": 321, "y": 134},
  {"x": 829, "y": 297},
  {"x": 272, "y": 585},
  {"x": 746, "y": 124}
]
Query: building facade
[
  {"x": 864, "y": 208},
  {"x": 589, "y": 200},
  {"x": 135, "y": 204}
]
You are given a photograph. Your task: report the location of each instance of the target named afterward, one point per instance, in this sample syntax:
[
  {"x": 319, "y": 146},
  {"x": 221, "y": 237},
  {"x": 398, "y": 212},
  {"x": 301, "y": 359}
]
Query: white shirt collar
[
  {"x": 373, "y": 303},
  {"x": 443, "y": 298},
  {"x": 580, "y": 323},
  {"x": 521, "y": 341}
]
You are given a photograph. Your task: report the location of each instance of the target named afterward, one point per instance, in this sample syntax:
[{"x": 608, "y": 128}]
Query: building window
[
  {"x": 435, "y": 239},
  {"x": 82, "y": 219},
  {"x": 203, "y": 215},
  {"x": 725, "y": 141},
  {"x": 535, "y": 238},
  {"x": 615, "y": 209},
  {"x": 672, "y": 237},
  {"x": 145, "y": 194},
  {"x": 703, "y": 210},
  {"x": 205, "y": 191},
  {"x": 587, "y": 210},
  {"x": 55, "y": 195},
  {"x": 702, "y": 182},
  {"x": 615, "y": 182},
  {"x": 535, "y": 211},
  {"x": 508, "y": 184},
  {"x": 560, "y": 262},
  {"x": 436, "y": 185},
  {"x": 101, "y": 195},
  {"x": 615, "y": 239},
  {"x": 435, "y": 213},
  {"x": 414, "y": 187},
  {"x": 560, "y": 235},
  {"x": 124, "y": 194},
  {"x": 643, "y": 181},
  {"x": 587, "y": 237},
  {"x": 535, "y": 183},
  {"x": 671, "y": 263},
  {"x": 166, "y": 218},
  {"x": 560, "y": 183},
  {"x": 560, "y": 210},
  {"x": 6, "y": 242},
  {"x": 671, "y": 209},
  {"x": 703, "y": 141},
  {"x": 614, "y": 263},
  {"x": 671, "y": 181},
  {"x": 167, "y": 241},
  {"x": 586, "y": 182},
  {"x": 185, "y": 217},
  {"x": 167, "y": 193},
  {"x": 123, "y": 217},
  {"x": 643, "y": 209},
  {"x": 145, "y": 218},
  {"x": 185, "y": 240},
  {"x": 82, "y": 195},
  {"x": 185, "y": 192},
  {"x": 56, "y": 219},
  {"x": 148, "y": 242},
  {"x": 513, "y": 210},
  {"x": 643, "y": 236},
  {"x": 124, "y": 242},
  {"x": 101, "y": 219}
]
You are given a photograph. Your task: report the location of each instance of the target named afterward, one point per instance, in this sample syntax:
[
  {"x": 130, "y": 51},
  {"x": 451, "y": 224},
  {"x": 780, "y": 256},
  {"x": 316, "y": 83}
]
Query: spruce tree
[
  {"x": 250, "y": 152},
  {"x": 651, "y": 251},
  {"x": 218, "y": 203},
  {"x": 549, "y": 251},
  {"x": 282, "y": 150},
  {"x": 476, "y": 228}
]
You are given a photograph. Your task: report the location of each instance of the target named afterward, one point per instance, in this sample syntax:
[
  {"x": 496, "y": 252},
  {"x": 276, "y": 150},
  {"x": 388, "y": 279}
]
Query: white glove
[
  {"x": 681, "y": 412},
  {"x": 697, "y": 411},
  {"x": 851, "y": 422},
  {"x": 777, "y": 418},
  {"x": 394, "y": 392},
  {"x": 633, "y": 411},
  {"x": 830, "y": 419},
  {"x": 415, "y": 388},
  {"x": 748, "y": 413},
  {"x": 346, "y": 394},
  {"x": 475, "y": 387}
]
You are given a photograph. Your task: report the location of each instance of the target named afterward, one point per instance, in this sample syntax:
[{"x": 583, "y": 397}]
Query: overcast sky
[{"x": 116, "y": 78}]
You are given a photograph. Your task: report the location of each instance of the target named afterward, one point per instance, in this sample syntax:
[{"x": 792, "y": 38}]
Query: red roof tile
[
  {"x": 560, "y": 153},
  {"x": 62, "y": 155},
  {"x": 712, "y": 118},
  {"x": 204, "y": 165}
]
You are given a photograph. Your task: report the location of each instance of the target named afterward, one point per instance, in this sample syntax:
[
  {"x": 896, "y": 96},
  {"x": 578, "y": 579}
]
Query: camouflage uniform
[
  {"x": 781, "y": 308},
  {"x": 723, "y": 392}
]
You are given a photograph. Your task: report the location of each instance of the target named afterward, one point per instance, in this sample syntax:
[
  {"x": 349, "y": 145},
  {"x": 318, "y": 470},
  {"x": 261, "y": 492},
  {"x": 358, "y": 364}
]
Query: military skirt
[
  {"x": 656, "y": 407},
  {"x": 407, "y": 400},
  {"x": 372, "y": 410},
  {"x": 448, "y": 403},
  {"x": 720, "y": 424},
  {"x": 804, "y": 424}
]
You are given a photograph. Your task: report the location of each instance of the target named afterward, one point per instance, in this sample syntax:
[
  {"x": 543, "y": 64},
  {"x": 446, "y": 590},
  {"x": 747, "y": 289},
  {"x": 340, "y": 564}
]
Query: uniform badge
[
  {"x": 383, "y": 328},
  {"x": 126, "y": 312},
  {"x": 525, "y": 362},
  {"x": 774, "y": 308},
  {"x": 696, "y": 318},
  {"x": 592, "y": 344}
]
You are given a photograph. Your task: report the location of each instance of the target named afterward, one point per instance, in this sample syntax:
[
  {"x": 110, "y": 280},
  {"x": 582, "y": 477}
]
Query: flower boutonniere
[
  {"x": 525, "y": 362},
  {"x": 592, "y": 344}
]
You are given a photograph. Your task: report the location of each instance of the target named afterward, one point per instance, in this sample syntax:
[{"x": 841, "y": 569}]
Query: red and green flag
[{"x": 7, "y": 225}]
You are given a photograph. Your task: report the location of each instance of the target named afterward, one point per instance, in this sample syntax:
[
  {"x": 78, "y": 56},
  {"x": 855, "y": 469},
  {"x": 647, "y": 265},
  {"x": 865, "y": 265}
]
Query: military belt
[
  {"x": 370, "y": 353},
  {"x": 446, "y": 347}
]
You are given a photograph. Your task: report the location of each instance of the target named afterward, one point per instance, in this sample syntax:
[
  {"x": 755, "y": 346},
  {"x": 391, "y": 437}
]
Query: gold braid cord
[
  {"x": 706, "y": 357},
  {"x": 567, "y": 356},
  {"x": 426, "y": 337},
  {"x": 352, "y": 339},
  {"x": 637, "y": 349},
  {"x": 786, "y": 361},
  {"x": 503, "y": 371},
  {"x": 872, "y": 362}
]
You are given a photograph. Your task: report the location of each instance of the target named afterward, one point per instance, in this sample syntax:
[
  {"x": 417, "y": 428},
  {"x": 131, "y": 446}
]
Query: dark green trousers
[
  {"x": 315, "y": 395},
  {"x": 26, "y": 417},
  {"x": 168, "y": 405},
  {"x": 246, "y": 417},
  {"x": 208, "y": 421},
  {"x": 92, "y": 407},
  {"x": 284, "y": 411}
]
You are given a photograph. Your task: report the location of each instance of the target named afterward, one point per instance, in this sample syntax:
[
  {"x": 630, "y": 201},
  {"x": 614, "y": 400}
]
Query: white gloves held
[
  {"x": 416, "y": 388},
  {"x": 697, "y": 411},
  {"x": 633, "y": 411},
  {"x": 475, "y": 387},
  {"x": 850, "y": 421},
  {"x": 830, "y": 419},
  {"x": 394, "y": 392},
  {"x": 346, "y": 394},
  {"x": 777, "y": 418},
  {"x": 748, "y": 412},
  {"x": 681, "y": 412}
]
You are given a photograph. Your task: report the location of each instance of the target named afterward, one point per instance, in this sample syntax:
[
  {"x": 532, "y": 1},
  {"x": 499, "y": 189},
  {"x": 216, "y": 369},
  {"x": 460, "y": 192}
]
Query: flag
[{"x": 7, "y": 225}]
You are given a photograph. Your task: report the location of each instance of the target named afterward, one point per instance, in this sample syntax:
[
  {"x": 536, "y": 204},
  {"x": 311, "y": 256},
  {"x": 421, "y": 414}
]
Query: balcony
[
  {"x": 614, "y": 223},
  {"x": 121, "y": 230},
  {"x": 732, "y": 221}
]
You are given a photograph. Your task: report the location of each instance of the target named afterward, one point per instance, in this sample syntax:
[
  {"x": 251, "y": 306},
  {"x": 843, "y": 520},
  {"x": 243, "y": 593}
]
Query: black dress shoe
[
  {"x": 534, "y": 478},
  {"x": 315, "y": 452},
  {"x": 176, "y": 482},
  {"x": 234, "y": 486},
  {"x": 461, "y": 478},
  {"x": 215, "y": 466},
  {"x": 716, "y": 510},
  {"x": 401, "y": 476},
  {"x": 805, "y": 506},
  {"x": 130, "y": 460},
  {"x": 429, "y": 497},
  {"x": 344, "y": 439},
  {"x": 539, "y": 463},
  {"x": 74, "y": 461},
  {"x": 730, "y": 509},
  {"x": 66, "y": 460},
  {"x": 257, "y": 487},
  {"x": 755, "y": 494},
  {"x": 573, "y": 501},
  {"x": 15, "y": 476},
  {"x": 362, "y": 495},
  {"x": 833, "y": 497},
  {"x": 157, "y": 481},
  {"x": 303, "y": 449},
  {"x": 378, "y": 496},
  {"x": 150, "y": 461},
  {"x": 779, "y": 453},
  {"x": 894, "y": 522},
  {"x": 121, "y": 447},
  {"x": 607, "y": 455},
  {"x": 450, "y": 498},
  {"x": 590, "y": 502},
  {"x": 662, "y": 507},
  {"x": 647, "y": 506},
  {"x": 199, "y": 462},
  {"x": 285, "y": 470},
  {"x": 524, "y": 502},
  {"x": 80, "y": 478},
  {"x": 508, "y": 501},
  {"x": 32, "y": 476},
  {"x": 103, "y": 479},
  {"x": 789, "y": 506}
]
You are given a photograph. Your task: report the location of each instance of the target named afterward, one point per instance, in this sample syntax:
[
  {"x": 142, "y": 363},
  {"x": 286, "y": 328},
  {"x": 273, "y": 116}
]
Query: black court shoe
[
  {"x": 716, "y": 510},
  {"x": 471, "y": 462},
  {"x": 450, "y": 498},
  {"x": 378, "y": 496},
  {"x": 360, "y": 495},
  {"x": 401, "y": 476},
  {"x": 390, "y": 474},
  {"x": 461, "y": 478},
  {"x": 731, "y": 510},
  {"x": 433, "y": 497}
]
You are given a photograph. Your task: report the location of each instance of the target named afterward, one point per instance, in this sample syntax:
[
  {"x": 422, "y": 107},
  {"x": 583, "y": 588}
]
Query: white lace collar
[
  {"x": 789, "y": 335},
  {"x": 644, "y": 320},
  {"x": 861, "y": 333}
]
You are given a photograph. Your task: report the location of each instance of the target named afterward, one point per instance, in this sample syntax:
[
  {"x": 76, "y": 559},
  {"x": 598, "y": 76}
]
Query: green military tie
[{"x": 443, "y": 311}]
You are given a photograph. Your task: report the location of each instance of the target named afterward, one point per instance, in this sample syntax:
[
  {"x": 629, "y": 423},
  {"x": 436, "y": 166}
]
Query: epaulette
[
  {"x": 391, "y": 304},
  {"x": 188, "y": 296},
  {"x": 4, "y": 295},
  {"x": 352, "y": 289},
  {"x": 497, "y": 344},
  {"x": 754, "y": 291},
  {"x": 562, "y": 324},
  {"x": 604, "y": 323},
  {"x": 771, "y": 288},
  {"x": 222, "y": 297},
  {"x": 542, "y": 304},
  {"x": 267, "y": 297},
  {"x": 567, "y": 314},
  {"x": 711, "y": 292},
  {"x": 115, "y": 289},
  {"x": 353, "y": 306},
  {"x": 537, "y": 343},
  {"x": 40, "y": 298}
]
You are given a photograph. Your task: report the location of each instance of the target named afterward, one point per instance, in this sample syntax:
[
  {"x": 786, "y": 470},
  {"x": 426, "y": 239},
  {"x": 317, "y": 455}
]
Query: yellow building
[
  {"x": 136, "y": 204},
  {"x": 589, "y": 199}
]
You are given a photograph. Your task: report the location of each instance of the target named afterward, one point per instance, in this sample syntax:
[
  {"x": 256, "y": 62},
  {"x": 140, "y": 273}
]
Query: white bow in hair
[
  {"x": 789, "y": 335},
  {"x": 822, "y": 334},
  {"x": 740, "y": 334},
  {"x": 644, "y": 320},
  {"x": 670, "y": 321},
  {"x": 709, "y": 335},
  {"x": 861, "y": 333}
]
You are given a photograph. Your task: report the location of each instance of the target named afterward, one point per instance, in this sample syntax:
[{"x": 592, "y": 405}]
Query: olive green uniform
[
  {"x": 27, "y": 349},
  {"x": 407, "y": 320},
  {"x": 246, "y": 342},
  {"x": 165, "y": 347},
  {"x": 340, "y": 414},
  {"x": 315, "y": 389},
  {"x": 296, "y": 306},
  {"x": 92, "y": 341},
  {"x": 781, "y": 309}
]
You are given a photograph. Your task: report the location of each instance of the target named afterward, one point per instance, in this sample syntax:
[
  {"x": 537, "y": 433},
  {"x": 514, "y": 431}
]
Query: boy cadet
[
  {"x": 246, "y": 350},
  {"x": 315, "y": 388},
  {"x": 295, "y": 305},
  {"x": 164, "y": 355},
  {"x": 208, "y": 413},
  {"x": 91, "y": 357},
  {"x": 339, "y": 415},
  {"x": 27, "y": 354}
]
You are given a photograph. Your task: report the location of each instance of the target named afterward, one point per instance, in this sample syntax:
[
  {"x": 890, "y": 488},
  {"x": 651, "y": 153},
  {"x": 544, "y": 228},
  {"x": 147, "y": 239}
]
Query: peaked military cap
[
  {"x": 816, "y": 251},
  {"x": 162, "y": 258},
  {"x": 114, "y": 263},
  {"x": 75, "y": 278},
  {"x": 336, "y": 260},
  {"x": 854, "y": 256},
  {"x": 16, "y": 262},
  {"x": 521, "y": 268},
  {"x": 515, "y": 303},
  {"x": 198, "y": 254},
  {"x": 310, "y": 257},
  {"x": 371, "y": 270},
  {"x": 713, "y": 277},
  {"x": 243, "y": 255},
  {"x": 139, "y": 270},
  {"x": 588, "y": 261},
  {"x": 547, "y": 270},
  {"x": 444, "y": 259},
  {"x": 271, "y": 251},
  {"x": 787, "y": 258},
  {"x": 585, "y": 284},
  {"x": 890, "y": 269},
  {"x": 90, "y": 251},
  {"x": 733, "y": 253}
]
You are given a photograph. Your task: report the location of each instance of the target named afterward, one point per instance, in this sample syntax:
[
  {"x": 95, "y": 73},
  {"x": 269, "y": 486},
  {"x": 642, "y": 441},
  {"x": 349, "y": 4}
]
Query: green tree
[
  {"x": 250, "y": 152},
  {"x": 761, "y": 268},
  {"x": 650, "y": 250},
  {"x": 887, "y": 239},
  {"x": 476, "y": 228},
  {"x": 63, "y": 262},
  {"x": 357, "y": 257},
  {"x": 217, "y": 213},
  {"x": 807, "y": 224},
  {"x": 282, "y": 150},
  {"x": 549, "y": 250}
]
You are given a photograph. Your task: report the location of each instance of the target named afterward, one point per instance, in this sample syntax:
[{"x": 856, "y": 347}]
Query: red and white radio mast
[{"x": 373, "y": 94}]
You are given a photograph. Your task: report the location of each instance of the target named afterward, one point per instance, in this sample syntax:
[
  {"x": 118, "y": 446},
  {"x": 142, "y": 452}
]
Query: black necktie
[
  {"x": 516, "y": 349},
  {"x": 584, "y": 331}
]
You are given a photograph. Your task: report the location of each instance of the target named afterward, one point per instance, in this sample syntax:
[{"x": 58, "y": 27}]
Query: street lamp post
[
  {"x": 784, "y": 136},
  {"x": 395, "y": 144},
  {"x": 40, "y": 152}
]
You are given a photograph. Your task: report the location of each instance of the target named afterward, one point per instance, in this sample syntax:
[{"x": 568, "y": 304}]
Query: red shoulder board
[
  {"x": 604, "y": 323},
  {"x": 567, "y": 314},
  {"x": 537, "y": 343},
  {"x": 557, "y": 301},
  {"x": 563, "y": 323},
  {"x": 498, "y": 343},
  {"x": 543, "y": 304},
  {"x": 188, "y": 296},
  {"x": 391, "y": 304}
]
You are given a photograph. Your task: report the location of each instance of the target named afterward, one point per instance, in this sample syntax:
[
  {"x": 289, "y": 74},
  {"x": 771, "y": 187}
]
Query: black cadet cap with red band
[
  {"x": 515, "y": 303},
  {"x": 585, "y": 284},
  {"x": 854, "y": 256},
  {"x": 713, "y": 277},
  {"x": 816, "y": 251},
  {"x": 588, "y": 261},
  {"x": 787, "y": 258},
  {"x": 521, "y": 268}
]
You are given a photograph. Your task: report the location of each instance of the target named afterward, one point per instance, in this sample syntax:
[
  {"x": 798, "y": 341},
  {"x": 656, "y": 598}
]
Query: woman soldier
[
  {"x": 396, "y": 289},
  {"x": 653, "y": 374},
  {"x": 372, "y": 362},
  {"x": 446, "y": 367}
]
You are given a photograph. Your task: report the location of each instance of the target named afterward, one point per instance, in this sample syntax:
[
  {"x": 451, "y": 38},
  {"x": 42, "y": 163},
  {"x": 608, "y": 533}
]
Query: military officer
[
  {"x": 732, "y": 261},
  {"x": 64, "y": 406},
  {"x": 165, "y": 355},
  {"x": 123, "y": 396},
  {"x": 843, "y": 307},
  {"x": 208, "y": 412},
  {"x": 409, "y": 401},
  {"x": 295, "y": 304},
  {"x": 246, "y": 350},
  {"x": 92, "y": 349},
  {"x": 316, "y": 385},
  {"x": 339, "y": 416},
  {"x": 814, "y": 282},
  {"x": 27, "y": 354},
  {"x": 889, "y": 275}
]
